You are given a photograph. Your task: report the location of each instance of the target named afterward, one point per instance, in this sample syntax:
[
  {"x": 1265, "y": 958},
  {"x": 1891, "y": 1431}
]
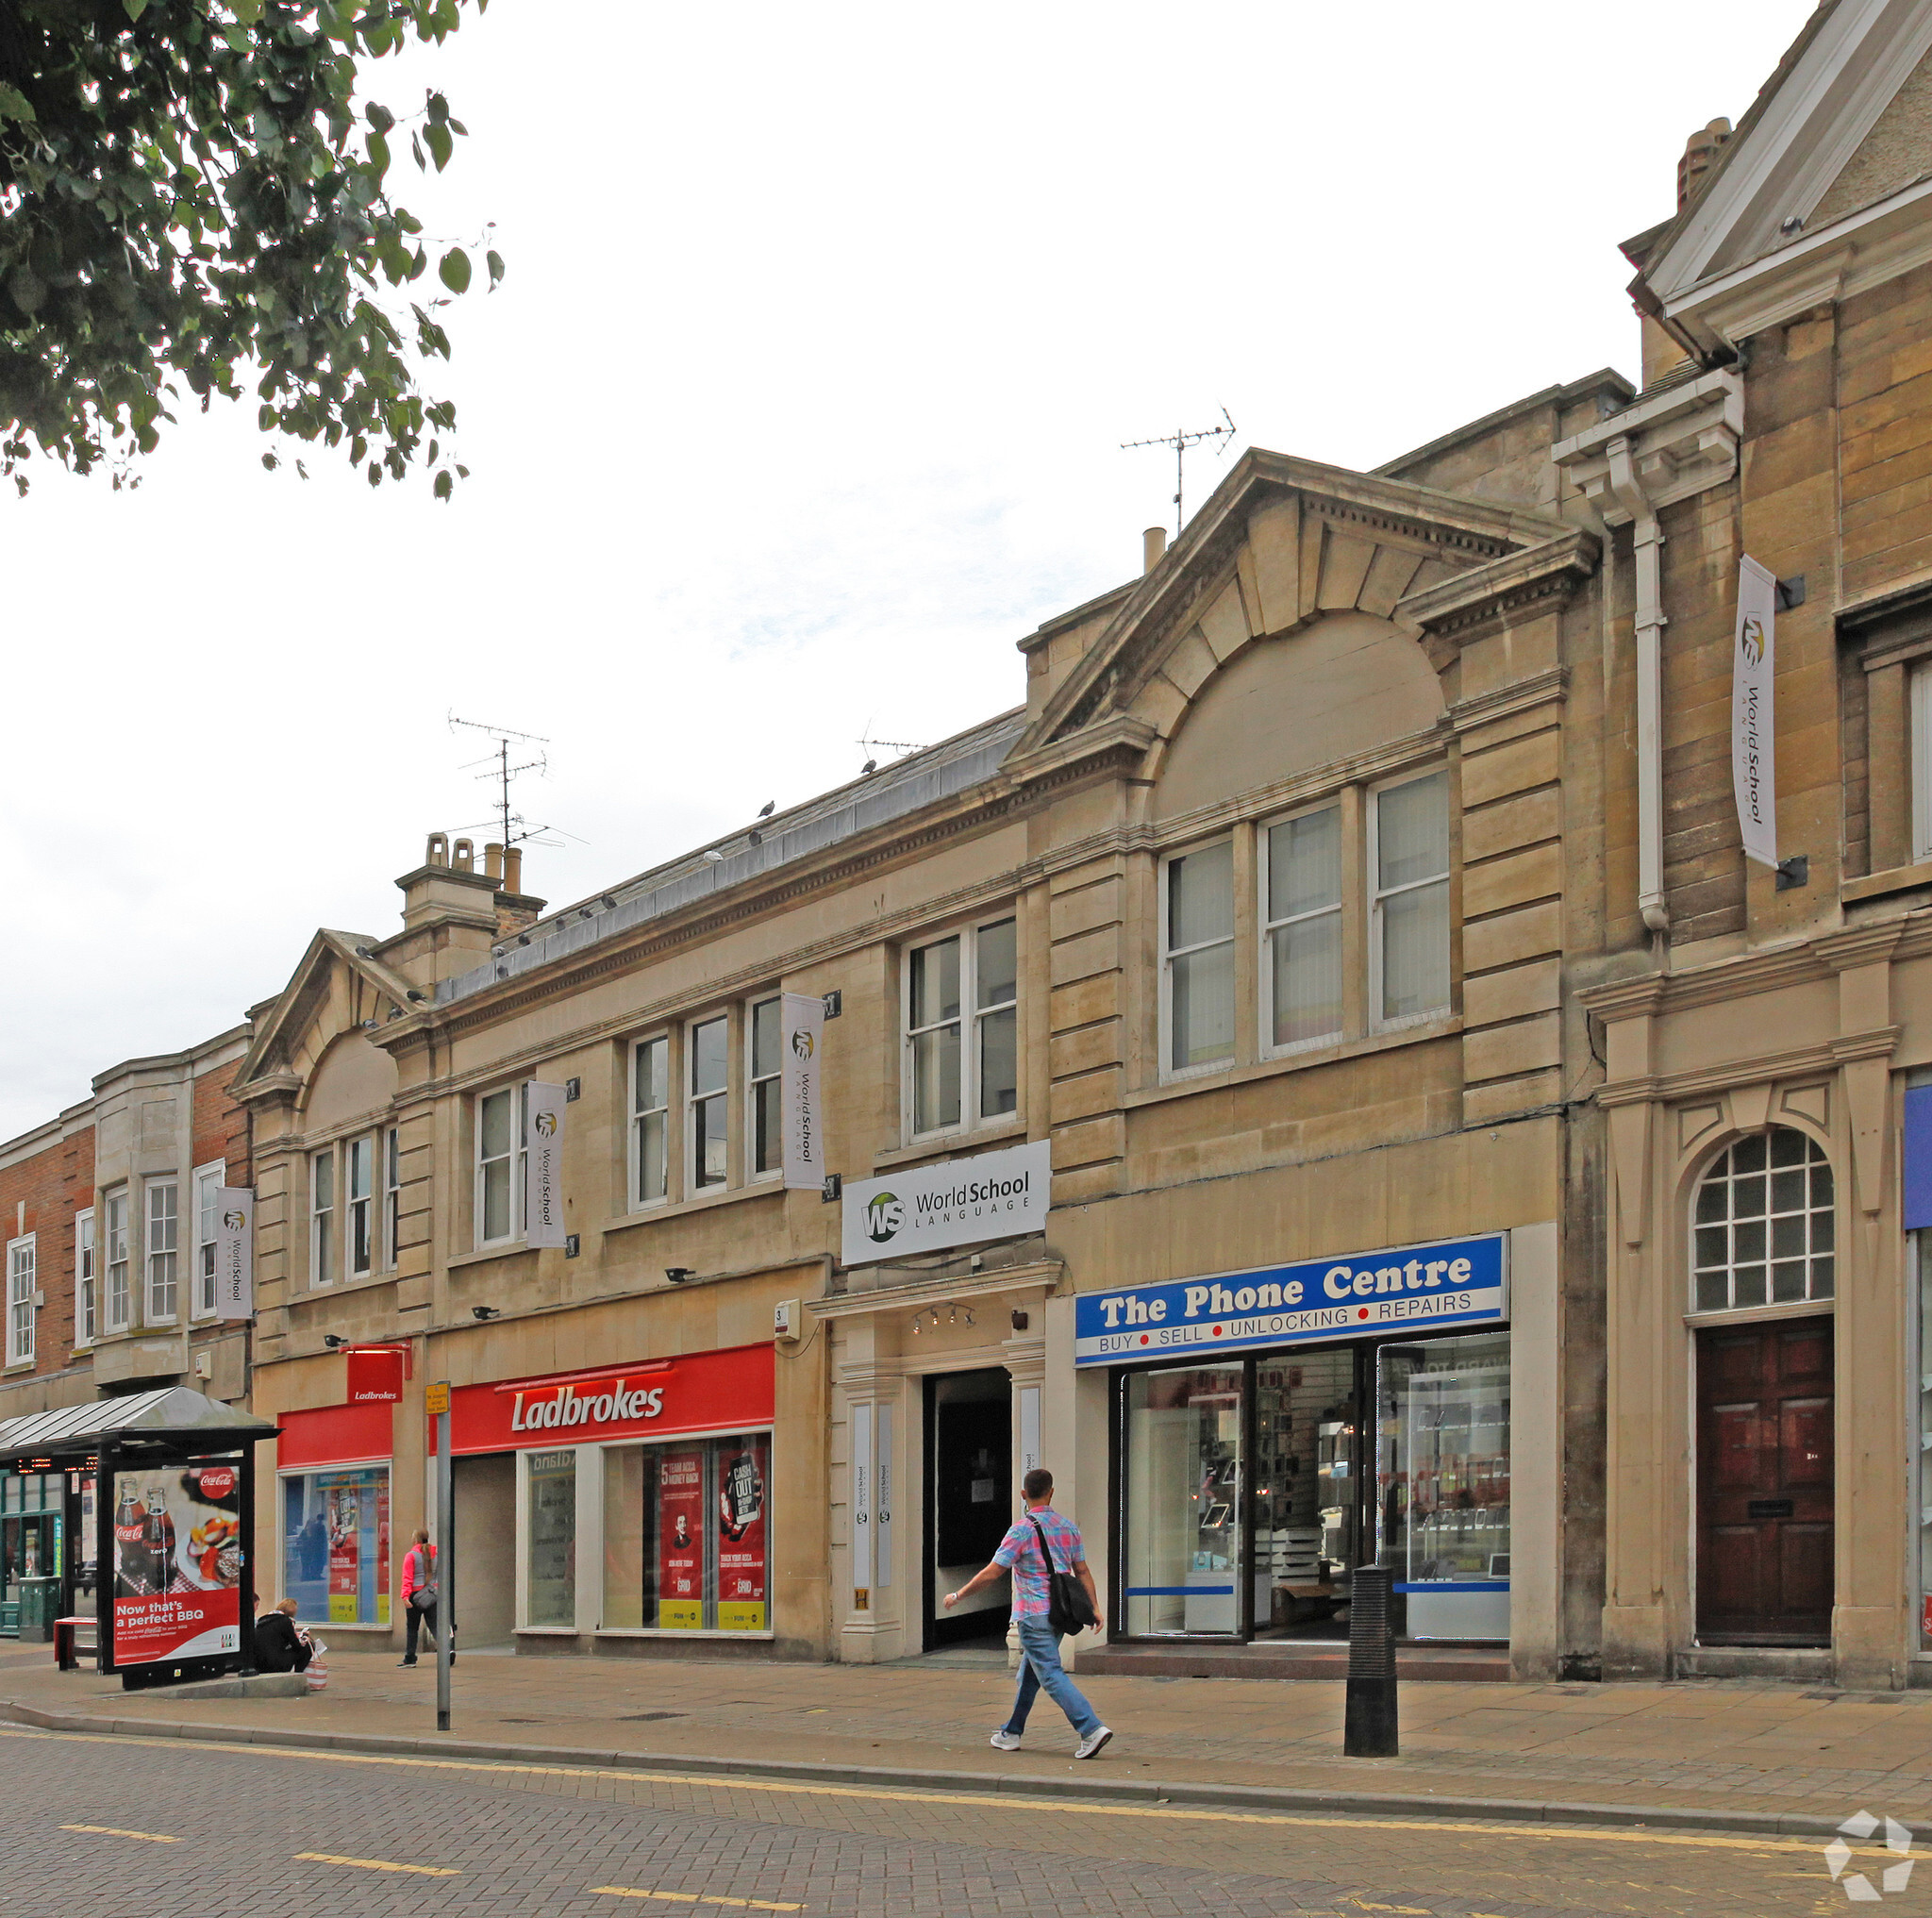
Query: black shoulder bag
[{"x": 1068, "y": 1610}]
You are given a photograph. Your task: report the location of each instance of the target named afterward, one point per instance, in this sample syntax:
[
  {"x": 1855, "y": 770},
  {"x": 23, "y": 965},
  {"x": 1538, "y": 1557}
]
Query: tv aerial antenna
[
  {"x": 1180, "y": 440},
  {"x": 499, "y": 770}
]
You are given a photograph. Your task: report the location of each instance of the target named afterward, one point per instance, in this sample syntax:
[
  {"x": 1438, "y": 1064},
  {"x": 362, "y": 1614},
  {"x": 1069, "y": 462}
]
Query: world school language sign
[{"x": 1458, "y": 1282}]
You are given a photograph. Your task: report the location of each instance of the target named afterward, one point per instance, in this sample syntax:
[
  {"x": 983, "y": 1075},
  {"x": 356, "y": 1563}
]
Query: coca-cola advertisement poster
[
  {"x": 744, "y": 1472},
  {"x": 681, "y": 1540},
  {"x": 179, "y": 1561}
]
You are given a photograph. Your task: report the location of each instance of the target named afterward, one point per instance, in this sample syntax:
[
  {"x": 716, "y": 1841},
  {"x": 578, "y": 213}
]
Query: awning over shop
[{"x": 171, "y": 1416}]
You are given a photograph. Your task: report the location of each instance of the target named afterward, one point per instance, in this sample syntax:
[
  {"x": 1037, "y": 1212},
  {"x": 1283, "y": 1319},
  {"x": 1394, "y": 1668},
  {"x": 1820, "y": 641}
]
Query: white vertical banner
[
  {"x": 543, "y": 1165},
  {"x": 235, "y": 1253},
  {"x": 802, "y": 1025},
  {"x": 1754, "y": 758},
  {"x": 882, "y": 1502},
  {"x": 861, "y": 1508},
  {"x": 1029, "y": 1428}
]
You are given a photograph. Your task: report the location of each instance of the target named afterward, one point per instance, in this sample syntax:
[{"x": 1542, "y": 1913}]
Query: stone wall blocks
[
  {"x": 1518, "y": 767},
  {"x": 1085, "y": 955},
  {"x": 1505, "y": 1051},
  {"x": 1492, "y": 997},
  {"x": 1514, "y": 880},
  {"x": 1086, "y": 1096},
  {"x": 1090, "y": 1047},
  {"x": 1084, "y": 1004},
  {"x": 1086, "y": 908},
  {"x": 1482, "y": 1105},
  {"x": 1525, "y": 821},
  {"x": 1092, "y": 1141},
  {"x": 1513, "y": 938}
]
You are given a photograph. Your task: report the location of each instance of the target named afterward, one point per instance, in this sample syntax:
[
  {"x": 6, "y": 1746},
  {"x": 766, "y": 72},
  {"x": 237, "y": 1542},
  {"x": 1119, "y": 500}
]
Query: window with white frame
[
  {"x": 208, "y": 1180},
  {"x": 392, "y": 1198},
  {"x": 962, "y": 1047},
  {"x": 163, "y": 1252},
  {"x": 1197, "y": 957},
  {"x": 707, "y": 1118},
  {"x": 651, "y": 1121},
  {"x": 19, "y": 1301},
  {"x": 1409, "y": 915},
  {"x": 119, "y": 1288},
  {"x": 361, "y": 1197},
  {"x": 764, "y": 1102},
  {"x": 1301, "y": 929},
  {"x": 86, "y": 1303},
  {"x": 500, "y": 1165},
  {"x": 322, "y": 1216},
  {"x": 1765, "y": 1227}
]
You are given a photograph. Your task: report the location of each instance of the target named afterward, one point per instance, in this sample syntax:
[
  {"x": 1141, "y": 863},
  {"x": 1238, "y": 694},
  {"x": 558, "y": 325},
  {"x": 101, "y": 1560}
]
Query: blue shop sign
[{"x": 1458, "y": 1282}]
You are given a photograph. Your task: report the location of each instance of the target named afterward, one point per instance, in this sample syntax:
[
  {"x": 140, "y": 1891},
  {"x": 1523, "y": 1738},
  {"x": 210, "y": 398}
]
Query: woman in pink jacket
[{"x": 419, "y": 1580}]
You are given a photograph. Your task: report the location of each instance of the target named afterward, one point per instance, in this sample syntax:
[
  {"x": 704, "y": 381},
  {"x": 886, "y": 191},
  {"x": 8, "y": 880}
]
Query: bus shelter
[{"x": 157, "y": 1531}]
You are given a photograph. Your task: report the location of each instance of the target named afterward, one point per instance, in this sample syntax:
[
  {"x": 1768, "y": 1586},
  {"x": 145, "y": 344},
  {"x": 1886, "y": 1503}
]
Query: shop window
[
  {"x": 1198, "y": 958},
  {"x": 500, "y": 1165},
  {"x": 1443, "y": 1483},
  {"x": 1764, "y": 1224},
  {"x": 962, "y": 1033},
  {"x": 120, "y": 1301},
  {"x": 19, "y": 1301},
  {"x": 765, "y": 1105},
  {"x": 650, "y": 1126},
  {"x": 336, "y": 1543},
  {"x": 208, "y": 1212},
  {"x": 322, "y": 1216},
  {"x": 86, "y": 1303},
  {"x": 553, "y": 1534},
  {"x": 1183, "y": 1470},
  {"x": 707, "y": 1112},
  {"x": 163, "y": 1251},
  {"x": 1409, "y": 931},
  {"x": 361, "y": 1159},
  {"x": 687, "y": 1528},
  {"x": 1302, "y": 928}
]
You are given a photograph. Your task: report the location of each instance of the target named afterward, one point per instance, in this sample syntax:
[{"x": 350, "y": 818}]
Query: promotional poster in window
[
  {"x": 177, "y": 1562},
  {"x": 681, "y": 1540},
  {"x": 742, "y": 1475}
]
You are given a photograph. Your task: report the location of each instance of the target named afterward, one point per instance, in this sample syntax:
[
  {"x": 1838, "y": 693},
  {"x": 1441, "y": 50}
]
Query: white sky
[{"x": 800, "y": 403}]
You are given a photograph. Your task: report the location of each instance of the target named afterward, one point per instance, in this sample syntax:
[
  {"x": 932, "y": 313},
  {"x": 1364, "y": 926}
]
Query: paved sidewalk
[{"x": 1710, "y": 1746}]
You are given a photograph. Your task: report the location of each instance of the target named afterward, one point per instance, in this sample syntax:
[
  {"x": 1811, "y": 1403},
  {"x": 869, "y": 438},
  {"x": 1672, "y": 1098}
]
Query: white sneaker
[
  {"x": 1006, "y": 1741},
  {"x": 1089, "y": 1747}
]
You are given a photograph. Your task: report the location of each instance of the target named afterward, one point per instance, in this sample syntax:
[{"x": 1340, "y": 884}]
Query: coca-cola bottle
[
  {"x": 161, "y": 1544},
  {"x": 130, "y": 1545}
]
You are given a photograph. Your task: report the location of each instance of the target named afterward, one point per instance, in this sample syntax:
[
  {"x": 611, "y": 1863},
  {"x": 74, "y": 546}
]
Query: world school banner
[{"x": 1458, "y": 1282}]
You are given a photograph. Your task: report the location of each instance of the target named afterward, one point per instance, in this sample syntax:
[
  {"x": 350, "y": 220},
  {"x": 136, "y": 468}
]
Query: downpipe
[{"x": 1648, "y": 544}]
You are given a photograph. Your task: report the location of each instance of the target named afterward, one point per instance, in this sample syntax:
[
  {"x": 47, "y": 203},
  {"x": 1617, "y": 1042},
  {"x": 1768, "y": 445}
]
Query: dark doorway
[
  {"x": 969, "y": 1498},
  {"x": 1764, "y": 1484}
]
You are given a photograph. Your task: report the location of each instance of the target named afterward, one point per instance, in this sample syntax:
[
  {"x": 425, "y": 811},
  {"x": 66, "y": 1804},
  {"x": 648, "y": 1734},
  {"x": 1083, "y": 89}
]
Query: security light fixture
[
  {"x": 678, "y": 1274},
  {"x": 1019, "y": 1320},
  {"x": 485, "y": 1314},
  {"x": 334, "y": 1341}
]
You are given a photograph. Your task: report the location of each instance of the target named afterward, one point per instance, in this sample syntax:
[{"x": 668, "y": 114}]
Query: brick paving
[
  {"x": 528, "y": 1840},
  {"x": 1740, "y": 1746}
]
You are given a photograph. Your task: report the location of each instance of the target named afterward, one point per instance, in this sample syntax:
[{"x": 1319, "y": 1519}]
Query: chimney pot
[
  {"x": 1700, "y": 154},
  {"x": 492, "y": 860},
  {"x": 513, "y": 869},
  {"x": 436, "y": 852},
  {"x": 1152, "y": 545},
  {"x": 463, "y": 855}
]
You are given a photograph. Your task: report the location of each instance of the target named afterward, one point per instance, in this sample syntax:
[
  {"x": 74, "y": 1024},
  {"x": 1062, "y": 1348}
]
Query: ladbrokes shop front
[{"x": 1272, "y": 1430}]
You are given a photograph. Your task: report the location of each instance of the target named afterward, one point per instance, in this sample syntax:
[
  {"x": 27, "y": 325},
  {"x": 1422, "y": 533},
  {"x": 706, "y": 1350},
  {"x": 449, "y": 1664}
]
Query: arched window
[{"x": 1764, "y": 1224}]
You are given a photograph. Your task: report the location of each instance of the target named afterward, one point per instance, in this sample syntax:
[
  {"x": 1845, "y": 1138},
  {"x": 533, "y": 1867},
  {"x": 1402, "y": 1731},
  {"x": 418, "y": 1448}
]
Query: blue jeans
[{"x": 1040, "y": 1670}]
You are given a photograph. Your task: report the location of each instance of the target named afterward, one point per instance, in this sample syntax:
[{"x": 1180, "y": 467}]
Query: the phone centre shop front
[{"x": 1276, "y": 1428}]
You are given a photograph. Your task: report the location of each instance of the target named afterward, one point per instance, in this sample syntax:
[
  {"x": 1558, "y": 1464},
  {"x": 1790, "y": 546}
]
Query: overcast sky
[{"x": 800, "y": 404}]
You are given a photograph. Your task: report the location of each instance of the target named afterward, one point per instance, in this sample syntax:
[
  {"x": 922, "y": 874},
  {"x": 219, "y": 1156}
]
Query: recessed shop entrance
[
  {"x": 1764, "y": 1484},
  {"x": 969, "y": 1499}
]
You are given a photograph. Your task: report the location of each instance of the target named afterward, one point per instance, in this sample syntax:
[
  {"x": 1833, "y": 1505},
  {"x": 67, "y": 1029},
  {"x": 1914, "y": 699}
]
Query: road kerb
[{"x": 1284, "y": 1798}]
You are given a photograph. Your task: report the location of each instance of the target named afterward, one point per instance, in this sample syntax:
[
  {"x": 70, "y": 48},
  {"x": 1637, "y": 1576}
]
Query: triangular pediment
[
  {"x": 1793, "y": 169},
  {"x": 338, "y": 986},
  {"x": 1282, "y": 542}
]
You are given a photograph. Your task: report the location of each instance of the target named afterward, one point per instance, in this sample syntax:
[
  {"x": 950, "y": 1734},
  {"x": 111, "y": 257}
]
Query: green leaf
[
  {"x": 436, "y": 137},
  {"x": 378, "y": 154},
  {"x": 444, "y": 485},
  {"x": 135, "y": 7},
  {"x": 495, "y": 262},
  {"x": 15, "y": 106},
  {"x": 454, "y": 270},
  {"x": 380, "y": 118}
]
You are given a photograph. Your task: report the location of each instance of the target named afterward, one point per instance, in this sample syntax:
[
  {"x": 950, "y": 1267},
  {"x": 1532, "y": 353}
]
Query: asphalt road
[{"x": 123, "y": 1827}]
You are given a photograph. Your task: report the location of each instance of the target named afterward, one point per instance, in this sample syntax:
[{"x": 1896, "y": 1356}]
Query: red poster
[
  {"x": 681, "y": 1540},
  {"x": 344, "y": 1553},
  {"x": 177, "y": 1564},
  {"x": 743, "y": 1487}
]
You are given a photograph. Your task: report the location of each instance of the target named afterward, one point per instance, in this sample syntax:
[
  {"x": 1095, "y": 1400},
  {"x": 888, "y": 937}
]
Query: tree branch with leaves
[{"x": 191, "y": 198}]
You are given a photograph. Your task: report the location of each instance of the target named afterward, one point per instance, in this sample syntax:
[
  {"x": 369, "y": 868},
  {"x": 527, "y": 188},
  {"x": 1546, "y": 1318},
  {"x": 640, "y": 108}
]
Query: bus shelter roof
[{"x": 173, "y": 1416}]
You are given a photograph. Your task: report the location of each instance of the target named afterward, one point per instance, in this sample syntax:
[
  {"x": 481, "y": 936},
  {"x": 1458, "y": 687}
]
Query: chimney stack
[
  {"x": 1153, "y": 545},
  {"x": 513, "y": 869},
  {"x": 1700, "y": 154},
  {"x": 492, "y": 860}
]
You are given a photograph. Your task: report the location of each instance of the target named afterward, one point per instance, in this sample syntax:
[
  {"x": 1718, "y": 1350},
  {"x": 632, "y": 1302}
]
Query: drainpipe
[{"x": 1649, "y": 539}]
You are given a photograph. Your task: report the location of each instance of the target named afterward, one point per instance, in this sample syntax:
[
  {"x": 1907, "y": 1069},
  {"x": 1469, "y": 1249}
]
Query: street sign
[{"x": 436, "y": 1398}]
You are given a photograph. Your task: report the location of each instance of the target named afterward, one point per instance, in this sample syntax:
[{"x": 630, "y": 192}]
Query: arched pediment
[
  {"x": 351, "y": 1079},
  {"x": 1339, "y": 686}
]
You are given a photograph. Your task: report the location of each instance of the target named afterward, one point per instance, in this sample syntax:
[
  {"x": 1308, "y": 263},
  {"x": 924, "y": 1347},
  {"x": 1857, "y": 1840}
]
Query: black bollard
[{"x": 1369, "y": 1727}]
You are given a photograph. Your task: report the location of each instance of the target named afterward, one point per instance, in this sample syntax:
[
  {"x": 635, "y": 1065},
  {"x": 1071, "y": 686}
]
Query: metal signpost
[{"x": 436, "y": 1401}]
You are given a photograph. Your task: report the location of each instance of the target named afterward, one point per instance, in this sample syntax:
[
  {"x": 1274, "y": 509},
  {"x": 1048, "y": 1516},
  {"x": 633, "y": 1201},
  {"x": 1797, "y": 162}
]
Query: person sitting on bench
[{"x": 280, "y": 1644}]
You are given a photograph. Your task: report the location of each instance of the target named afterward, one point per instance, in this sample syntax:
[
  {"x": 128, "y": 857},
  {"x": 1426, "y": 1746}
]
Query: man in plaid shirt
[{"x": 1020, "y": 1553}]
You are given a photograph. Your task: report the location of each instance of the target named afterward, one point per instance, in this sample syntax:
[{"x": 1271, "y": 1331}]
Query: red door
[{"x": 1764, "y": 1484}]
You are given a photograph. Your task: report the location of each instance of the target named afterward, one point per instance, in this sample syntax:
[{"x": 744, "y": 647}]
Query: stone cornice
[
  {"x": 1502, "y": 702},
  {"x": 1045, "y": 1275},
  {"x": 1506, "y": 590},
  {"x": 1683, "y": 440}
]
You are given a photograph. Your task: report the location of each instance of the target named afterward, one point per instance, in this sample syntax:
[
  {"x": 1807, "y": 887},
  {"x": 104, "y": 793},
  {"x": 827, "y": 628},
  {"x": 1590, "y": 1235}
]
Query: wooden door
[{"x": 1764, "y": 1484}]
